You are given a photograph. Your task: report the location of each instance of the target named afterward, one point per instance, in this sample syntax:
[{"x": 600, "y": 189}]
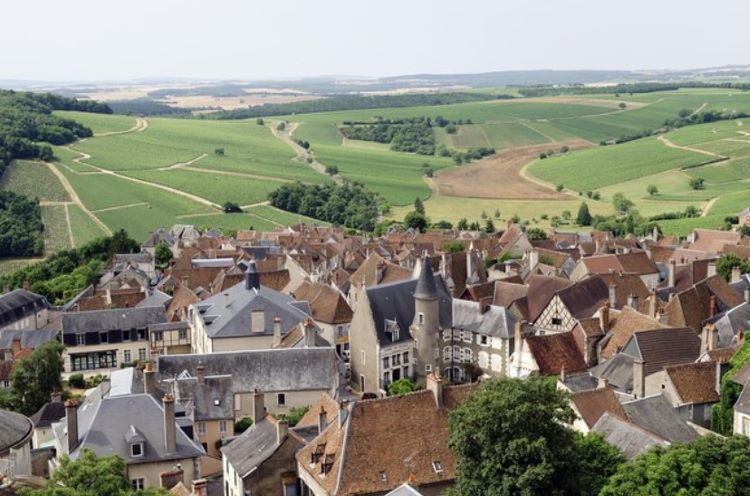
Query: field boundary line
[
  {"x": 46, "y": 203},
  {"x": 140, "y": 125},
  {"x": 180, "y": 165},
  {"x": 709, "y": 206},
  {"x": 671, "y": 144},
  {"x": 259, "y": 204},
  {"x": 528, "y": 126},
  {"x": 238, "y": 174},
  {"x": 120, "y": 207},
  {"x": 70, "y": 227}
]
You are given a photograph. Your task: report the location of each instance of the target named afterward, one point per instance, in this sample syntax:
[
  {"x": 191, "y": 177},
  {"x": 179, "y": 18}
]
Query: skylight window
[{"x": 437, "y": 466}]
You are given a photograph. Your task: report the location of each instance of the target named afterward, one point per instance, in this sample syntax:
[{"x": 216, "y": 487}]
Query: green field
[
  {"x": 56, "y": 236},
  {"x": 84, "y": 229},
  {"x": 34, "y": 180},
  {"x": 101, "y": 123}
]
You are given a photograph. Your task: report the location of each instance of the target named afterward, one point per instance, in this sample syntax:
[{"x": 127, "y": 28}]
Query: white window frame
[
  {"x": 138, "y": 483},
  {"x": 223, "y": 426}
]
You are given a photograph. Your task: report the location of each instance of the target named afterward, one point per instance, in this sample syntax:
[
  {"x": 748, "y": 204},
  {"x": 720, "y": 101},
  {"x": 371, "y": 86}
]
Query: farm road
[{"x": 301, "y": 153}]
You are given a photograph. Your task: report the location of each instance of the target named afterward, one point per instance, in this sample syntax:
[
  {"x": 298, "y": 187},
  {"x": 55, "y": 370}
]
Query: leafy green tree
[
  {"x": 37, "y": 377},
  {"x": 162, "y": 254},
  {"x": 231, "y": 208},
  {"x": 726, "y": 263},
  {"x": 559, "y": 188},
  {"x": 566, "y": 214},
  {"x": 90, "y": 475},
  {"x": 621, "y": 203},
  {"x": 536, "y": 234},
  {"x": 332, "y": 170},
  {"x": 622, "y": 105},
  {"x": 418, "y": 206},
  {"x": 697, "y": 183},
  {"x": 511, "y": 437},
  {"x": 652, "y": 189},
  {"x": 416, "y": 220},
  {"x": 497, "y": 213},
  {"x": 294, "y": 415},
  {"x": 401, "y": 387},
  {"x": 454, "y": 246},
  {"x": 462, "y": 224},
  {"x": 281, "y": 126},
  {"x": 219, "y": 152},
  {"x": 584, "y": 216},
  {"x": 243, "y": 424},
  {"x": 259, "y": 121},
  {"x": 711, "y": 465}
]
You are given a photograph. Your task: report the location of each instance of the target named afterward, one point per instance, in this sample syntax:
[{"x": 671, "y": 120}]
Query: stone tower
[{"x": 426, "y": 326}]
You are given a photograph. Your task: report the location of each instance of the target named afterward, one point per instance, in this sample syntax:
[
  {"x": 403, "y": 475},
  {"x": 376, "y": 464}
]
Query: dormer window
[
  {"x": 383, "y": 477},
  {"x": 136, "y": 450},
  {"x": 327, "y": 463},
  {"x": 437, "y": 466},
  {"x": 317, "y": 453}
]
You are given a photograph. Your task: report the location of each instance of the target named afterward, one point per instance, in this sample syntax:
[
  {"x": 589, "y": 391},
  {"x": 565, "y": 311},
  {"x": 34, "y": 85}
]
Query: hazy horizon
[{"x": 83, "y": 40}]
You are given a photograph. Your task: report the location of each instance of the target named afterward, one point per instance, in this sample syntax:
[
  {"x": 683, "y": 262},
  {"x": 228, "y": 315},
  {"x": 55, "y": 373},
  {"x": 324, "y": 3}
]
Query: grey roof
[
  {"x": 404, "y": 490},
  {"x": 495, "y": 321},
  {"x": 48, "y": 414},
  {"x": 252, "y": 447},
  {"x": 734, "y": 321},
  {"x": 104, "y": 423},
  {"x": 742, "y": 405},
  {"x": 108, "y": 320},
  {"x": 18, "y": 304},
  {"x": 33, "y": 338},
  {"x": 281, "y": 369},
  {"x": 426, "y": 287},
  {"x": 395, "y": 302},
  {"x": 212, "y": 400},
  {"x": 583, "y": 381},
  {"x": 141, "y": 257},
  {"x": 656, "y": 415},
  {"x": 618, "y": 371},
  {"x": 630, "y": 439},
  {"x": 14, "y": 430},
  {"x": 159, "y": 235},
  {"x": 155, "y": 299},
  {"x": 212, "y": 262},
  {"x": 235, "y": 319}
]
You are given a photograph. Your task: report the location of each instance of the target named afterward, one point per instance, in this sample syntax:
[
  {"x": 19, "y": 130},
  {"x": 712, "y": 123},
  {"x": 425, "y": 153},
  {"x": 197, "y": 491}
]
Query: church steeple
[{"x": 426, "y": 288}]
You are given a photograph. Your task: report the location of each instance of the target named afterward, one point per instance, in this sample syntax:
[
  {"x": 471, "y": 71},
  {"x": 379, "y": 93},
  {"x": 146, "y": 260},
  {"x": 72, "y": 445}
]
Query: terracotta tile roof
[
  {"x": 689, "y": 308},
  {"x": 712, "y": 240},
  {"x": 694, "y": 382},
  {"x": 506, "y": 293},
  {"x": 327, "y": 304},
  {"x": 181, "y": 299},
  {"x": 739, "y": 250},
  {"x": 368, "y": 270},
  {"x": 625, "y": 285},
  {"x": 622, "y": 324},
  {"x": 553, "y": 352},
  {"x": 591, "y": 327},
  {"x": 478, "y": 292},
  {"x": 331, "y": 407},
  {"x": 660, "y": 348},
  {"x": 592, "y": 404},
  {"x": 637, "y": 262},
  {"x": 602, "y": 264},
  {"x": 384, "y": 443},
  {"x": 540, "y": 292},
  {"x": 723, "y": 355},
  {"x": 585, "y": 297}
]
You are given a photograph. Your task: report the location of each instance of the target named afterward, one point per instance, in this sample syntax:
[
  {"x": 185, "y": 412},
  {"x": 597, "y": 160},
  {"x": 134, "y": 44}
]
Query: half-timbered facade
[{"x": 555, "y": 317}]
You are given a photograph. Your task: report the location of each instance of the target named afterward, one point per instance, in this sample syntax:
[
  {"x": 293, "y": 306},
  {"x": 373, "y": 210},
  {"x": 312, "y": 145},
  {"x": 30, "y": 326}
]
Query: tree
[
  {"x": 162, "y": 254},
  {"x": 622, "y": 205},
  {"x": 332, "y": 170},
  {"x": 90, "y": 475},
  {"x": 231, "y": 208},
  {"x": 511, "y": 437},
  {"x": 652, "y": 189},
  {"x": 462, "y": 224},
  {"x": 622, "y": 105},
  {"x": 697, "y": 183},
  {"x": 37, "y": 377},
  {"x": 536, "y": 234},
  {"x": 710, "y": 465},
  {"x": 559, "y": 188},
  {"x": 416, "y": 220},
  {"x": 45, "y": 153},
  {"x": 727, "y": 262},
  {"x": 219, "y": 152},
  {"x": 454, "y": 246},
  {"x": 259, "y": 121},
  {"x": 566, "y": 214},
  {"x": 489, "y": 226},
  {"x": 497, "y": 213},
  {"x": 564, "y": 149},
  {"x": 419, "y": 206},
  {"x": 584, "y": 216},
  {"x": 401, "y": 387},
  {"x": 281, "y": 126}
]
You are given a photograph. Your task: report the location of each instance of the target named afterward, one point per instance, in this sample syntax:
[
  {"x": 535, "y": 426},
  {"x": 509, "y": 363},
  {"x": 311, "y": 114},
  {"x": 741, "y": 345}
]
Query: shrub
[
  {"x": 697, "y": 183},
  {"x": 242, "y": 425},
  {"x": 559, "y": 187},
  {"x": 77, "y": 381}
]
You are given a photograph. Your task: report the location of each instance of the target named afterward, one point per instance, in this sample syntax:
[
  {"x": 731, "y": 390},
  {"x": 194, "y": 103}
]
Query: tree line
[
  {"x": 349, "y": 205},
  {"x": 21, "y": 228},
  {"x": 627, "y": 88},
  {"x": 412, "y": 135}
]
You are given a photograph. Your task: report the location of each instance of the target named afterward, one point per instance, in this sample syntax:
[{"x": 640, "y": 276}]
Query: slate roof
[
  {"x": 730, "y": 325},
  {"x": 426, "y": 287},
  {"x": 656, "y": 415},
  {"x": 694, "y": 382},
  {"x": 494, "y": 321},
  {"x": 395, "y": 302},
  {"x": 742, "y": 405},
  {"x": 48, "y": 414},
  {"x": 14, "y": 429},
  {"x": 235, "y": 319},
  {"x": 618, "y": 371},
  {"x": 104, "y": 423},
  {"x": 592, "y": 404},
  {"x": 540, "y": 292},
  {"x": 18, "y": 304},
  {"x": 108, "y": 320},
  {"x": 212, "y": 400},
  {"x": 31, "y": 338},
  {"x": 282, "y": 369},
  {"x": 583, "y": 381},
  {"x": 553, "y": 352},
  {"x": 630, "y": 439}
]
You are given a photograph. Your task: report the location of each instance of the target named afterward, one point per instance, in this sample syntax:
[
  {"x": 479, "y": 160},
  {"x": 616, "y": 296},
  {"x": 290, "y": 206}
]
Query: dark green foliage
[
  {"x": 621, "y": 203},
  {"x": 259, "y": 121},
  {"x": 281, "y": 126},
  {"x": 26, "y": 119},
  {"x": 90, "y": 475},
  {"x": 442, "y": 224},
  {"x": 37, "y": 377},
  {"x": 21, "y": 228},
  {"x": 349, "y": 205},
  {"x": 148, "y": 107},
  {"x": 332, "y": 170},
  {"x": 304, "y": 144},
  {"x": 416, "y": 220},
  {"x": 454, "y": 246},
  {"x": 418, "y": 205},
  {"x": 231, "y": 208},
  {"x": 536, "y": 234},
  {"x": 727, "y": 262},
  {"x": 405, "y": 135},
  {"x": 489, "y": 226},
  {"x": 697, "y": 183},
  {"x": 652, "y": 190},
  {"x": 294, "y": 415},
  {"x": 584, "y": 216},
  {"x": 68, "y": 272},
  {"x": 401, "y": 387},
  {"x": 219, "y": 152},
  {"x": 711, "y": 465},
  {"x": 242, "y": 425},
  {"x": 77, "y": 381},
  {"x": 162, "y": 254},
  {"x": 511, "y": 437},
  {"x": 462, "y": 224},
  {"x": 348, "y": 102}
]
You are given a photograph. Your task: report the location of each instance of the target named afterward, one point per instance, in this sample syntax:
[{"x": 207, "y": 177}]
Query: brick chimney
[
  {"x": 604, "y": 317},
  {"x": 15, "y": 346},
  {"x": 435, "y": 386},
  {"x": 71, "y": 423},
  {"x": 200, "y": 487},
  {"x": 171, "y": 478},
  {"x": 712, "y": 308},
  {"x": 259, "y": 409},
  {"x": 379, "y": 270},
  {"x": 309, "y": 330},
  {"x": 170, "y": 428},
  {"x": 652, "y": 304},
  {"x": 276, "y": 331},
  {"x": 711, "y": 271},
  {"x": 671, "y": 277},
  {"x": 149, "y": 379},
  {"x": 282, "y": 429},
  {"x": 322, "y": 419},
  {"x": 200, "y": 372}
]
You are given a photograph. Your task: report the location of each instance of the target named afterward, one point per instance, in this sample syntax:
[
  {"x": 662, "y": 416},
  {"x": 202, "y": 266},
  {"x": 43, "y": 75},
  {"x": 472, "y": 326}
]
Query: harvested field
[{"x": 499, "y": 176}]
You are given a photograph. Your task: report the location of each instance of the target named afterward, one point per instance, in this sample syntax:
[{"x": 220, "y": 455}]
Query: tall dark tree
[
  {"x": 416, "y": 220},
  {"x": 418, "y": 205},
  {"x": 584, "y": 216}
]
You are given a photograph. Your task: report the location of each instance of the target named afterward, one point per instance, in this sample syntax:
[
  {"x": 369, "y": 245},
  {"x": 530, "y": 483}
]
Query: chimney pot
[
  {"x": 259, "y": 409},
  {"x": 71, "y": 423},
  {"x": 149, "y": 379},
  {"x": 201, "y": 373},
  {"x": 604, "y": 317},
  {"x": 282, "y": 429},
  {"x": 712, "y": 307},
  {"x": 672, "y": 267},
  {"x": 170, "y": 428},
  {"x": 276, "y": 331}
]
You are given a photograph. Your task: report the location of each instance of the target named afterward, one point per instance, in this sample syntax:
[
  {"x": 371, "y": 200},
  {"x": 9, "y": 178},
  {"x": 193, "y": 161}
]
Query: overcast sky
[{"x": 105, "y": 39}]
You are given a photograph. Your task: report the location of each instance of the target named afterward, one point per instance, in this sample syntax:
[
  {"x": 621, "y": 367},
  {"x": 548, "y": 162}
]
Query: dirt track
[{"x": 501, "y": 176}]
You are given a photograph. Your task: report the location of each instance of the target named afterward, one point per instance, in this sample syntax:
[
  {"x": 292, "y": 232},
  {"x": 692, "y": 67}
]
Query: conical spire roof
[{"x": 426, "y": 288}]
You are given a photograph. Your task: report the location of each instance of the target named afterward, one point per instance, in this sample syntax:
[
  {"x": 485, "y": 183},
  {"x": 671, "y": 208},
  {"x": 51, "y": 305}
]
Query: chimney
[
  {"x": 108, "y": 296},
  {"x": 711, "y": 271},
  {"x": 322, "y": 419},
  {"x": 602, "y": 383},
  {"x": 15, "y": 346},
  {"x": 613, "y": 296},
  {"x": 252, "y": 277},
  {"x": 639, "y": 379},
  {"x": 276, "y": 331},
  {"x": 655, "y": 234},
  {"x": 469, "y": 265},
  {"x": 736, "y": 275},
  {"x": 705, "y": 333},
  {"x": 170, "y": 428},
  {"x": 672, "y": 266},
  {"x": 518, "y": 333},
  {"x": 200, "y": 371},
  {"x": 171, "y": 478},
  {"x": 309, "y": 330},
  {"x": 712, "y": 308},
  {"x": 747, "y": 295},
  {"x": 562, "y": 374},
  {"x": 604, "y": 317},
  {"x": 259, "y": 409},
  {"x": 663, "y": 319},
  {"x": 149, "y": 379},
  {"x": 200, "y": 487},
  {"x": 71, "y": 423},
  {"x": 282, "y": 429},
  {"x": 227, "y": 301},
  {"x": 435, "y": 386},
  {"x": 379, "y": 269},
  {"x": 713, "y": 338},
  {"x": 652, "y": 304},
  {"x": 343, "y": 410},
  {"x": 533, "y": 258}
]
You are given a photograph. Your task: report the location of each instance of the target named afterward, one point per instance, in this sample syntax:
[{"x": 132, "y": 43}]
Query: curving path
[
  {"x": 140, "y": 126},
  {"x": 670, "y": 144},
  {"x": 301, "y": 153}
]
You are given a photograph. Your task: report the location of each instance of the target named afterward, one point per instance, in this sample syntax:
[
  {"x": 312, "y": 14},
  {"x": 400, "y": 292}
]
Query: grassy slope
[
  {"x": 34, "y": 180},
  {"x": 100, "y": 123}
]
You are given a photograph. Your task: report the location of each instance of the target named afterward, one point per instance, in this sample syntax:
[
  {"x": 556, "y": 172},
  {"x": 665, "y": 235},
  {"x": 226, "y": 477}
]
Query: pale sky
[{"x": 251, "y": 39}]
